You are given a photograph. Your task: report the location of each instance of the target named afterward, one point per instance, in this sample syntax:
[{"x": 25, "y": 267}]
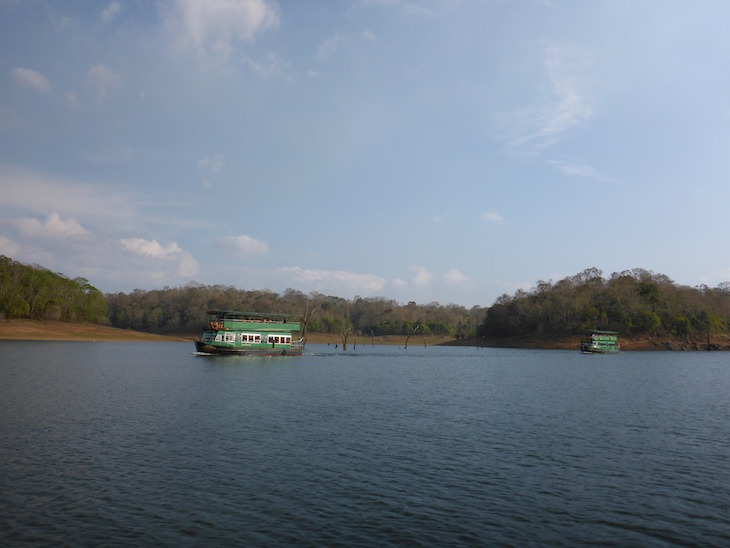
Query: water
[{"x": 146, "y": 443}]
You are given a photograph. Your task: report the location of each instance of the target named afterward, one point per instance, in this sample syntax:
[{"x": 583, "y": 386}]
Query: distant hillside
[
  {"x": 37, "y": 293},
  {"x": 637, "y": 303}
]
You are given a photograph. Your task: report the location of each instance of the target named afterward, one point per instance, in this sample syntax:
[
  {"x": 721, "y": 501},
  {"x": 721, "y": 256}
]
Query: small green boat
[
  {"x": 600, "y": 342},
  {"x": 249, "y": 334}
]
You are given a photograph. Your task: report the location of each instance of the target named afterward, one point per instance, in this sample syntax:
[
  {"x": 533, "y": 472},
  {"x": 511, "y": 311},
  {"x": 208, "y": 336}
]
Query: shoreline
[
  {"x": 29, "y": 330},
  {"x": 53, "y": 330},
  {"x": 627, "y": 344}
]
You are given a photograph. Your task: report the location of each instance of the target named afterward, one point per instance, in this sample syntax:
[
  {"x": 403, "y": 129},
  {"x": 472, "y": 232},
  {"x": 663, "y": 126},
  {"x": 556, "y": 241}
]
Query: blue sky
[{"x": 425, "y": 150}]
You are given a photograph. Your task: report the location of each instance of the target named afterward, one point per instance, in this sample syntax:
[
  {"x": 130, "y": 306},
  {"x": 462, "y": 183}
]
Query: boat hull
[
  {"x": 597, "y": 351},
  {"x": 209, "y": 349},
  {"x": 590, "y": 349}
]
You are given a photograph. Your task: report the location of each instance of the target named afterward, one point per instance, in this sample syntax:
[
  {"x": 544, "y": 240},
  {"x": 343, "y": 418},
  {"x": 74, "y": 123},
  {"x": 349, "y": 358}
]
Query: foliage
[
  {"x": 183, "y": 309},
  {"x": 37, "y": 293},
  {"x": 634, "y": 302}
]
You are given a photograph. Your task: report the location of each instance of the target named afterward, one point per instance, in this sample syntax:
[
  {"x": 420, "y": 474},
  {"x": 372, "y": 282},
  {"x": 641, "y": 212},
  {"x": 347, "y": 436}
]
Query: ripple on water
[{"x": 118, "y": 445}]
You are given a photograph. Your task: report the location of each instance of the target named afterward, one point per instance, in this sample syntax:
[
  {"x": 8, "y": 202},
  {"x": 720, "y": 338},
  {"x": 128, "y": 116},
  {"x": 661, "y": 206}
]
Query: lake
[{"x": 147, "y": 443}]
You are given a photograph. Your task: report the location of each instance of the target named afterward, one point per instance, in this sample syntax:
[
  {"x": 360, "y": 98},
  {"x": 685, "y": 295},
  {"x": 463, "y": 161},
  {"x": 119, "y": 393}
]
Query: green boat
[
  {"x": 600, "y": 342},
  {"x": 249, "y": 334}
]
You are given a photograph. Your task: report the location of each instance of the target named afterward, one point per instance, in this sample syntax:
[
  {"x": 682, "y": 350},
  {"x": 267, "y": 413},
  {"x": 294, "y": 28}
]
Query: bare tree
[
  {"x": 345, "y": 332},
  {"x": 409, "y": 336},
  {"x": 308, "y": 312}
]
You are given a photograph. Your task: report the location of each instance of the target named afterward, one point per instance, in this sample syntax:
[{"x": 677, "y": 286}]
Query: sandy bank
[{"x": 27, "y": 330}]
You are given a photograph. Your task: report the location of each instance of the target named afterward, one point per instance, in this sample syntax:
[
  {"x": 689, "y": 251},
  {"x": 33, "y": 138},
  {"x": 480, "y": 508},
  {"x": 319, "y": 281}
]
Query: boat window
[
  {"x": 218, "y": 338},
  {"x": 230, "y": 337}
]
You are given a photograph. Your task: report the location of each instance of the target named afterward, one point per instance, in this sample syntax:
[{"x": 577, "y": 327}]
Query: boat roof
[
  {"x": 603, "y": 332},
  {"x": 249, "y": 315}
]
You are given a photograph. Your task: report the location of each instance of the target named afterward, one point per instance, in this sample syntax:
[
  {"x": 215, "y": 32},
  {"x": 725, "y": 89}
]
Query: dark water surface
[{"x": 146, "y": 443}]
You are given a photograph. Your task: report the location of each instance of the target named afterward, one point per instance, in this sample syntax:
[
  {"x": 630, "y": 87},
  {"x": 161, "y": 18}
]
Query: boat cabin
[
  {"x": 231, "y": 332},
  {"x": 600, "y": 342}
]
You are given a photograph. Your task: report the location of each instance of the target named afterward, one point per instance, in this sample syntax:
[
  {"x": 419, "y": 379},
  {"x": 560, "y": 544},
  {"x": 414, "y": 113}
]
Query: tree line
[
  {"x": 37, "y": 293},
  {"x": 183, "y": 310},
  {"x": 633, "y": 302},
  {"x": 34, "y": 292}
]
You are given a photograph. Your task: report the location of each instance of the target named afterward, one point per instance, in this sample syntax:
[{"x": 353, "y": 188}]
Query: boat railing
[{"x": 298, "y": 345}]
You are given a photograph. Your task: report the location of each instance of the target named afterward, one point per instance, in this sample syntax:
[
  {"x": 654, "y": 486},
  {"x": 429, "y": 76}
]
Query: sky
[{"x": 445, "y": 151}]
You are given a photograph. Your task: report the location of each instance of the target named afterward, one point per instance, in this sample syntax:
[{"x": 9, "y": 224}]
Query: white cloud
[
  {"x": 214, "y": 25},
  {"x": 54, "y": 227},
  {"x": 103, "y": 81},
  {"x": 270, "y": 65},
  {"x": 398, "y": 283},
  {"x": 31, "y": 79},
  {"x": 28, "y": 253},
  {"x": 422, "y": 276},
  {"x": 328, "y": 48},
  {"x": 333, "y": 281},
  {"x": 716, "y": 277},
  {"x": 110, "y": 12},
  {"x": 38, "y": 192},
  {"x": 72, "y": 100},
  {"x": 72, "y": 227},
  {"x": 492, "y": 217},
  {"x": 211, "y": 164},
  {"x": 454, "y": 277},
  {"x": 8, "y": 247},
  {"x": 570, "y": 103},
  {"x": 186, "y": 265},
  {"x": 419, "y": 8},
  {"x": 150, "y": 248},
  {"x": 243, "y": 245},
  {"x": 578, "y": 169},
  {"x": 369, "y": 35},
  {"x": 116, "y": 264}
]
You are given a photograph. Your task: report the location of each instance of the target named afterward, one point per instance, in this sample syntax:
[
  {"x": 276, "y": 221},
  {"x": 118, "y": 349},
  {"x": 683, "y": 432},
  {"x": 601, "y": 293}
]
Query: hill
[{"x": 648, "y": 310}]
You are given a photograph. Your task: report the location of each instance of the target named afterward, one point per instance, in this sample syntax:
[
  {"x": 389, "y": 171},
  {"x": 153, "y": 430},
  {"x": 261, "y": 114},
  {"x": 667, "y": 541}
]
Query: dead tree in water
[
  {"x": 308, "y": 311},
  {"x": 345, "y": 332},
  {"x": 409, "y": 336}
]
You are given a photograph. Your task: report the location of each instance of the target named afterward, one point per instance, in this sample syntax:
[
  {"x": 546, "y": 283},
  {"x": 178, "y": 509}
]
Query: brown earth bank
[
  {"x": 28, "y": 330},
  {"x": 717, "y": 342}
]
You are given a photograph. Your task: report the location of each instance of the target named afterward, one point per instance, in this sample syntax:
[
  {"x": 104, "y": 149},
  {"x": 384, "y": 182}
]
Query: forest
[
  {"x": 183, "y": 310},
  {"x": 634, "y": 302},
  {"x": 37, "y": 293}
]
